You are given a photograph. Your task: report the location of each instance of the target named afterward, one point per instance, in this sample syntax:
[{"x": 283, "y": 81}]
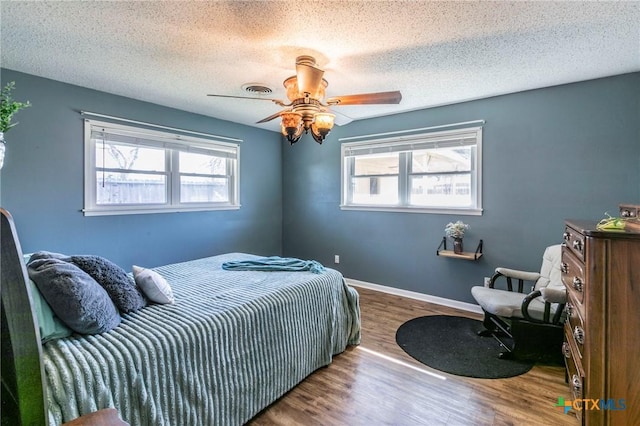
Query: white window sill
[
  {"x": 125, "y": 211},
  {"x": 432, "y": 210}
]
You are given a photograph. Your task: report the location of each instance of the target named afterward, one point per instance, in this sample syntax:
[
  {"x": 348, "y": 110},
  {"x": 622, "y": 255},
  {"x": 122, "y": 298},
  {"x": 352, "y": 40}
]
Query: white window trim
[
  {"x": 408, "y": 140},
  {"x": 165, "y": 140}
]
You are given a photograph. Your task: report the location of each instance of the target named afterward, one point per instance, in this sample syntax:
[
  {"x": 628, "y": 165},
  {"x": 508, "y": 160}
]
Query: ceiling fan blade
[
  {"x": 241, "y": 97},
  {"x": 276, "y": 101},
  {"x": 269, "y": 118},
  {"x": 366, "y": 99},
  {"x": 309, "y": 78}
]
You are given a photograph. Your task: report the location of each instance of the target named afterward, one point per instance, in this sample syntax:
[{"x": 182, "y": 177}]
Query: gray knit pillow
[
  {"x": 75, "y": 297},
  {"x": 119, "y": 285}
]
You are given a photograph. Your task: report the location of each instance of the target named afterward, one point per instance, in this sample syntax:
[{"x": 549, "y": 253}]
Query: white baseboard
[{"x": 418, "y": 296}]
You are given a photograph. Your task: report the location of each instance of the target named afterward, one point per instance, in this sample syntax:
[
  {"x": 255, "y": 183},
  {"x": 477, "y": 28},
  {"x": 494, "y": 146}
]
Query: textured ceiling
[{"x": 174, "y": 53}]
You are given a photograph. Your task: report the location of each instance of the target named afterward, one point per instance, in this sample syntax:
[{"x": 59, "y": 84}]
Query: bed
[{"x": 231, "y": 344}]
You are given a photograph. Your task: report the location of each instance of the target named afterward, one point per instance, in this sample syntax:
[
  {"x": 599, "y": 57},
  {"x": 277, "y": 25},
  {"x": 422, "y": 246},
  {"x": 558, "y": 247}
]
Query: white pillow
[{"x": 153, "y": 285}]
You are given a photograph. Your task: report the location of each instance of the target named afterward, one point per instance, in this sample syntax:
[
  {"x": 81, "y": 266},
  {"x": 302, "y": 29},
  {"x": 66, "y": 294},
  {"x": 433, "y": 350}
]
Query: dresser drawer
[
  {"x": 575, "y": 374},
  {"x": 573, "y": 277},
  {"x": 574, "y": 241},
  {"x": 574, "y": 330}
]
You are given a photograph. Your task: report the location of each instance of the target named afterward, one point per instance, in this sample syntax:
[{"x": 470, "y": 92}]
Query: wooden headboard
[{"x": 23, "y": 389}]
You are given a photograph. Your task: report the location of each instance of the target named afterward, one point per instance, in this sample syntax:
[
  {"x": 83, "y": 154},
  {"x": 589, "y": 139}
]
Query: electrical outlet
[
  {"x": 336, "y": 259},
  {"x": 487, "y": 280}
]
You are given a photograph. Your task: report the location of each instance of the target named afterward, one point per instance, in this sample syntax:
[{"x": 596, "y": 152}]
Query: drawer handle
[
  {"x": 564, "y": 267},
  {"x": 578, "y": 334},
  {"x": 577, "y": 284},
  {"x": 569, "y": 308},
  {"x": 625, "y": 213},
  {"x": 576, "y": 383},
  {"x": 566, "y": 236},
  {"x": 566, "y": 350},
  {"x": 577, "y": 244}
]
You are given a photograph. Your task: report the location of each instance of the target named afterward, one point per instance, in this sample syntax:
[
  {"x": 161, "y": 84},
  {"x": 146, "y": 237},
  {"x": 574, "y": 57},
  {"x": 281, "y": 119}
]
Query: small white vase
[{"x": 2, "y": 147}]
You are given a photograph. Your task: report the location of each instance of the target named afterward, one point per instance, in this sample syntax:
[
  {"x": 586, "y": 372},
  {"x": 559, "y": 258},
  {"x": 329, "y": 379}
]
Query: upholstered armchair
[{"x": 531, "y": 315}]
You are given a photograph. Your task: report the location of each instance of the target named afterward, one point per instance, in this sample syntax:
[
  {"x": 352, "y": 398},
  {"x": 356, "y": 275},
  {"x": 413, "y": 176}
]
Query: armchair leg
[
  {"x": 494, "y": 326},
  {"x": 492, "y": 333}
]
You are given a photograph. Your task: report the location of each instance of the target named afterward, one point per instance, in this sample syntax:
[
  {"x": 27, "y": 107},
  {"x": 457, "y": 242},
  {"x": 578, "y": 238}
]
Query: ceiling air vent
[{"x": 256, "y": 89}]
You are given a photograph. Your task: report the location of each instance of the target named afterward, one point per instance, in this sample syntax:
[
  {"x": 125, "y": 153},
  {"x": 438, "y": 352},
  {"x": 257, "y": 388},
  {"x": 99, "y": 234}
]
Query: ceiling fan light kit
[
  {"x": 306, "y": 113},
  {"x": 294, "y": 124}
]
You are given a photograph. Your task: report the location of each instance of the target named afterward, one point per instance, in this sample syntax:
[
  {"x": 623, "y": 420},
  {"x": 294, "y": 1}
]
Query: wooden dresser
[{"x": 601, "y": 271}]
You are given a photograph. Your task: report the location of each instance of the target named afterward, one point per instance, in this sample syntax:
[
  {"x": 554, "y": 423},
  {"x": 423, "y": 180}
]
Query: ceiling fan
[{"x": 306, "y": 111}]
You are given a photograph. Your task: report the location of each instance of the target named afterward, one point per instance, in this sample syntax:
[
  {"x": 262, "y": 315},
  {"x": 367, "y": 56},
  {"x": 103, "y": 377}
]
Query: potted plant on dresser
[{"x": 8, "y": 107}]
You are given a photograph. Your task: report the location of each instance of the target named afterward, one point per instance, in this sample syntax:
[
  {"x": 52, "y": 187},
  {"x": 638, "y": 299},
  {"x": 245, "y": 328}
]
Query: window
[
  {"x": 134, "y": 170},
  {"x": 435, "y": 172}
]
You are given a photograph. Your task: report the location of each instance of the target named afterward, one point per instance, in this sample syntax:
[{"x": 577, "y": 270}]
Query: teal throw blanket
[{"x": 274, "y": 263}]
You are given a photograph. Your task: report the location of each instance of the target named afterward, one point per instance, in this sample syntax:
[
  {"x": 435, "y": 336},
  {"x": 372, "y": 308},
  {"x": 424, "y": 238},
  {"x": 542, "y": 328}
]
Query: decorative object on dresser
[
  {"x": 601, "y": 271},
  {"x": 631, "y": 212},
  {"x": 531, "y": 316}
]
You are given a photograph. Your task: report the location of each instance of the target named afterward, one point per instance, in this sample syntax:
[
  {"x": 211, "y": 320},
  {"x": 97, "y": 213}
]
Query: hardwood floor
[{"x": 377, "y": 383}]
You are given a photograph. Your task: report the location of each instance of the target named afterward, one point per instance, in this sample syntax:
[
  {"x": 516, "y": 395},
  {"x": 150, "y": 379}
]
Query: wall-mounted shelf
[{"x": 466, "y": 255}]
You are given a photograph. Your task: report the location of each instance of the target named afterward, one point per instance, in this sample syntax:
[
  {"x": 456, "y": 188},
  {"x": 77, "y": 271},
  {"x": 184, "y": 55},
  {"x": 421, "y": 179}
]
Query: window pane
[
  {"x": 132, "y": 170},
  {"x": 433, "y": 172},
  {"x": 195, "y": 189},
  {"x": 453, "y": 190},
  {"x": 202, "y": 164},
  {"x": 128, "y": 157},
  {"x": 385, "y": 164},
  {"x": 375, "y": 190},
  {"x": 442, "y": 160},
  {"x": 130, "y": 188}
]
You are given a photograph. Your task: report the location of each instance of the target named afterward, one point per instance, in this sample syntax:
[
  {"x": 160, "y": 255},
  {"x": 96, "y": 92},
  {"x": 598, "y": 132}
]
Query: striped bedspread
[{"x": 233, "y": 343}]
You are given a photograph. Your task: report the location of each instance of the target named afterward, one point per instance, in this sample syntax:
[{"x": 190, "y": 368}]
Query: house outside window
[
  {"x": 130, "y": 170},
  {"x": 438, "y": 172}
]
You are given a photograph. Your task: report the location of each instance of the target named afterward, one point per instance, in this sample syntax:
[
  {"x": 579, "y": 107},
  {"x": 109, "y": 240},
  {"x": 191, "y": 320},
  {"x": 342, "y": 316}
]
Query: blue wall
[
  {"x": 570, "y": 151},
  {"x": 42, "y": 183},
  {"x": 548, "y": 154}
]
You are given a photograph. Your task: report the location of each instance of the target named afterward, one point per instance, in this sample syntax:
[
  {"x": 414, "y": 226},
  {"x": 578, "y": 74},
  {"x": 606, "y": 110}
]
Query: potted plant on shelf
[
  {"x": 8, "y": 107},
  {"x": 455, "y": 231}
]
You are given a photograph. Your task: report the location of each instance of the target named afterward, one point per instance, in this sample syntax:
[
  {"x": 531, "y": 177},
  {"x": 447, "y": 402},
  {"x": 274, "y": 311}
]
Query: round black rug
[{"x": 451, "y": 344}]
